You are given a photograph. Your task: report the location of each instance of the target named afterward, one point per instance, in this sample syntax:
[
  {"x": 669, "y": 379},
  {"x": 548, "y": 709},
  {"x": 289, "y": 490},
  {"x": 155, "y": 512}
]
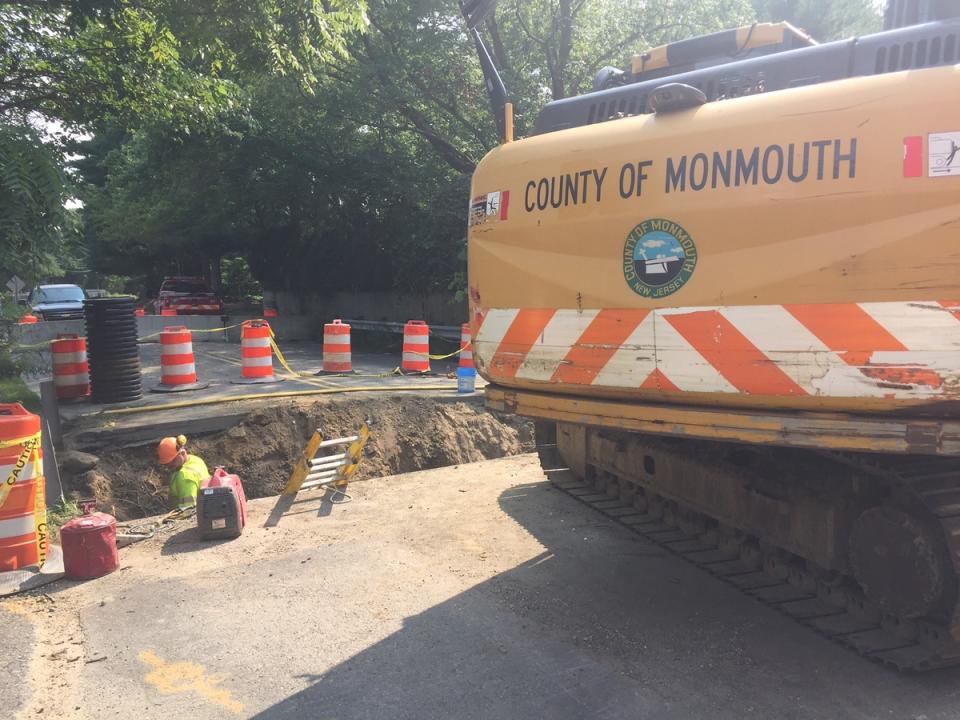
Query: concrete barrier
[
  {"x": 150, "y": 325},
  {"x": 285, "y": 327},
  {"x": 45, "y": 331},
  {"x": 147, "y": 325}
]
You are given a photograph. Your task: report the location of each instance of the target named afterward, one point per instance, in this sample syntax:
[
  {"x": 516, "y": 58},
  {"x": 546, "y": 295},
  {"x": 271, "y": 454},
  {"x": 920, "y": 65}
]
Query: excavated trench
[{"x": 408, "y": 433}]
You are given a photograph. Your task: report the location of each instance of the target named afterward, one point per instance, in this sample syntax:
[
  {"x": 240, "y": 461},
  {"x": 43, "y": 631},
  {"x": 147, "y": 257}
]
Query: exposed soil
[{"x": 407, "y": 434}]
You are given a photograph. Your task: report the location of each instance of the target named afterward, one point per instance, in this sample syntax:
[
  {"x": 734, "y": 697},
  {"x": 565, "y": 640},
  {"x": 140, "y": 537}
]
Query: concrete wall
[
  {"x": 44, "y": 331},
  {"x": 436, "y": 308},
  {"x": 148, "y": 325},
  {"x": 300, "y": 318},
  {"x": 285, "y": 327}
]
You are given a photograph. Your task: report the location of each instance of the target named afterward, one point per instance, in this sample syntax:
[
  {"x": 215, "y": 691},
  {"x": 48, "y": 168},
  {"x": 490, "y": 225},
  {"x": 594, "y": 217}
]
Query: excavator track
[{"x": 837, "y": 608}]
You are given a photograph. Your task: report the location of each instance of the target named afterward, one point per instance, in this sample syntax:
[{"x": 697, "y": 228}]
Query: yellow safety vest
[{"x": 186, "y": 482}]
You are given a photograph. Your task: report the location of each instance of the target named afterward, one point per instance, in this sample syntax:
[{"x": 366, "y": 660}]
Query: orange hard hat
[{"x": 167, "y": 450}]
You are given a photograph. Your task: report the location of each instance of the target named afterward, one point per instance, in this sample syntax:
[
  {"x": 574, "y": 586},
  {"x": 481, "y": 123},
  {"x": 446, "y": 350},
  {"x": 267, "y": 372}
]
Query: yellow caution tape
[
  {"x": 283, "y": 361},
  {"x": 31, "y": 444},
  {"x": 396, "y": 371},
  {"x": 40, "y": 519},
  {"x": 281, "y": 358},
  {"x": 198, "y": 330},
  {"x": 444, "y": 357},
  {"x": 300, "y": 375},
  {"x": 4, "y": 444},
  {"x": 20, "y": 346},
  {"x": 210, "y": 330},
  {"x": 435, "y": 357},
  {"x": 140, "y": 339}
]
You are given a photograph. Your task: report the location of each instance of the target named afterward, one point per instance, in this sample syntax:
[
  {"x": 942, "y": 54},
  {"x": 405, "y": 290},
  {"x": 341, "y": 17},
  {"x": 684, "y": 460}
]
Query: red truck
[{"x": 188, "y": 296}]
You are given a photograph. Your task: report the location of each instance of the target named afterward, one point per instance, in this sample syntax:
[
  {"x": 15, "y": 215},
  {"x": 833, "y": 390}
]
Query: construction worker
[{"x": 187, "y": 472}]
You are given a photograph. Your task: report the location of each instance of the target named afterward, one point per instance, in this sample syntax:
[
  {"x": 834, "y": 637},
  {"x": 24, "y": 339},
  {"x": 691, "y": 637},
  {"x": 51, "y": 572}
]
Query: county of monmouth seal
[{"x": 658, "y": 258}]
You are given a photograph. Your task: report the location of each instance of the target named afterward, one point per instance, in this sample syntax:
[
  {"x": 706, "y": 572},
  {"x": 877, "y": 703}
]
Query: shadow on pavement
[
  {"x": 285, "y": 504},
  {"x": 188, "y": 540},
  {"x": 602, "y": 624}
]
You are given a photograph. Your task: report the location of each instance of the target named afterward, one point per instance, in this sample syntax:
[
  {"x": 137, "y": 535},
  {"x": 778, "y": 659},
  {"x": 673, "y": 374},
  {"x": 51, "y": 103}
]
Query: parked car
[
  {"x": 188, "y": 296},
  {"x": 57, "y": 302}
]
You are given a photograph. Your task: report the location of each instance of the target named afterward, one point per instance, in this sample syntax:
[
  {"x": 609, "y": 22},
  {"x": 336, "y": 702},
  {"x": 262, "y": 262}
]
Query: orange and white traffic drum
[
  {"x": 22, "y": 504},
  {"x": 336, "y": 348},
  {"x": 416, "y": 347},
  {"x": 256, "y": 352},
  {"x": 71, "y": 372},
  {"x": 466, "y": 347},
  {"x": 178, "y": 364}
]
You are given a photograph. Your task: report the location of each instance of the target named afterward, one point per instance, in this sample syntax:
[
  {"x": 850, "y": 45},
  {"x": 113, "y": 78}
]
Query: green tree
[
  {"x": 824, "y": 20},
  {"x": 313, "y": 200},
  {"x": 35, "y": 226},
  {"x": 416, "y": 67},
  {"x": 362, "y": 183},
  {"x": 566, "y": 42},
  {"x": 178, "y": 64},
  {"x": 84, "y": 61}
]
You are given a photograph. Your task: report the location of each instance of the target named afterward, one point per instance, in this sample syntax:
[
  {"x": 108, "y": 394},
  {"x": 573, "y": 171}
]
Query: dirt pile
[{"x": 408, "y": 434}]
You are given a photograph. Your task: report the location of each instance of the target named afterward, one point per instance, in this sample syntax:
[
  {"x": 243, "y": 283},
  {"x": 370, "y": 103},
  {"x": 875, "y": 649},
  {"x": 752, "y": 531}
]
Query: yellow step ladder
[{"x": 329, "y": 469}]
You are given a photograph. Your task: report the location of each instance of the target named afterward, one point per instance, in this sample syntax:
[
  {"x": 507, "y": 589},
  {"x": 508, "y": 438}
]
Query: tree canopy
[
  {"x": 74, "y": 66},
  {"x": 328, "y": 142},
  {"x": 137, "y": 61},
  {"x": 823, "y": 20}
]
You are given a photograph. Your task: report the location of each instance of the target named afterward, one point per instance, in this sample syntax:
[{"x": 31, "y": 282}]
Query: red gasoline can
[{"x": 90, "y": 545}]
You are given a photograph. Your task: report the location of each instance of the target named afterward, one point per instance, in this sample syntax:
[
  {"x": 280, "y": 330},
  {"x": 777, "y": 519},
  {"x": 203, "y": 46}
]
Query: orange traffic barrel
[
  {"x": 22, "y": 504},
  {"x": 416, "y": 347},
  {"x": 256, "y": 352},
  {"x": 178, "y": 365},
  {"x": 336, "y": 348},
  {"x": 466, "y": 347},
  {"x": 29, "y": 319},
  {"x": 71, "y": 372},
  {"x": 140, "y": 312}
]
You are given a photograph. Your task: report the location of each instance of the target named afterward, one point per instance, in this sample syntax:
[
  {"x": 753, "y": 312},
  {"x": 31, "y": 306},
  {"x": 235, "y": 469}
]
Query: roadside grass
[
  {"x": 15, "y": 390},
  {"x": 57, "y": 515}
]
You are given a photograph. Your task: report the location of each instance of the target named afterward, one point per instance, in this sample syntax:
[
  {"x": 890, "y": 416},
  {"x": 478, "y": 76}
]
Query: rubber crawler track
[{"x": 917, "y": 647}]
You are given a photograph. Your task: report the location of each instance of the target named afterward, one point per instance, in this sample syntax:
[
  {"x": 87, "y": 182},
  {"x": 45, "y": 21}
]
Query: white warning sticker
[{"x": 943, "y": 154}]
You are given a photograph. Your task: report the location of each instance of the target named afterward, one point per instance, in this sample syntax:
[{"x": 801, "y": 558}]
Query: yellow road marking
[
  {"x": 181, "y": 677},
  {"x": 231, "y": 361},
  {"x": 14, "y": 606},
  {"x": 216, "y": 356}
]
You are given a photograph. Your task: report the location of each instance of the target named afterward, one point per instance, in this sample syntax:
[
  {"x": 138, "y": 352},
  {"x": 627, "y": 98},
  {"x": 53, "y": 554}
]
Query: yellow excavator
[{"x": 726, "y": 286}]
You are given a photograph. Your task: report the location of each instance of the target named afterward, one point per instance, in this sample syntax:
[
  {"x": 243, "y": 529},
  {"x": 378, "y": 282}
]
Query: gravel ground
[{"x": 474, "y": 591}]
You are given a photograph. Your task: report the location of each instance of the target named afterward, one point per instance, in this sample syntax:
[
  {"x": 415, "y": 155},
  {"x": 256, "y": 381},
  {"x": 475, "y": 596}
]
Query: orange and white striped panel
[
  {"x": 416, "y": 347},
  {"x": 337, "y": 357},
  {"x": 71, "y": 372},
  {"x": 903, "y": 350},
  {"x": 18, "y": 531},
  {"x": 256, "y": 351},
  {"x": 466, "y": 347},
  {"x": 178, "y": 365}
]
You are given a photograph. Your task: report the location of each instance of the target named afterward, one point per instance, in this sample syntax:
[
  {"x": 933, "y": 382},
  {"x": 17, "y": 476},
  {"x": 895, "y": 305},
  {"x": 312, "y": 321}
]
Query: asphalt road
[
  {"x": 95, "y": 428},
  {"x": 17, "y": 641},
  {"x": 219, "y": 370},
  {"x": 468, "y": 592}
]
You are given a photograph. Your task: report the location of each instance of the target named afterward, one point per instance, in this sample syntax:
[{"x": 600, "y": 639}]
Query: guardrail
[{"x": 449, "y": 332}]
